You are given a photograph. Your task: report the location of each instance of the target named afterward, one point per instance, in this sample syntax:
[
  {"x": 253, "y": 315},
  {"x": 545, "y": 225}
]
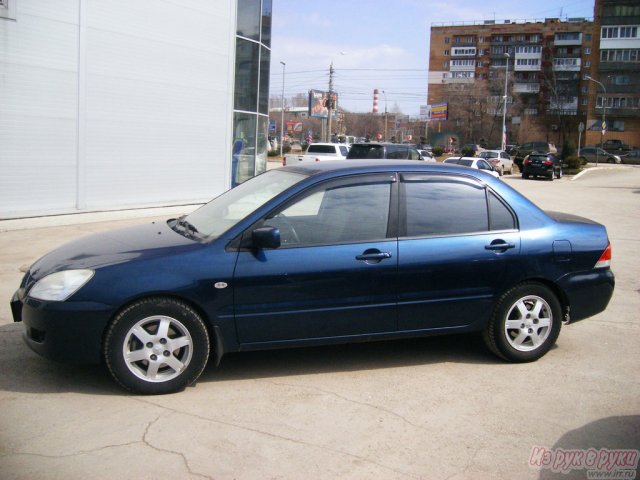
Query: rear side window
[
  {"x": 440, "y": 206},
  {"x": 500, "y": 217},
  {"x": 365, "y": 151},
  {"x": 397, "y": 153},
  {"x": 444, "y": 207}
]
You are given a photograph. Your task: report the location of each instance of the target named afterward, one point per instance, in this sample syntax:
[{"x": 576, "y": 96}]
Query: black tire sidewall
[
  {"x": 117, "y": 332},
  {"x": 496, "y": 330}
]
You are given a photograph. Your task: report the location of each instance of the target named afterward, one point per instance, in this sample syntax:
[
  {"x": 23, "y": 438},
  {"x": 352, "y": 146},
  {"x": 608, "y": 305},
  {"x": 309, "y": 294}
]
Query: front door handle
[{"x": 373, "y": 256}]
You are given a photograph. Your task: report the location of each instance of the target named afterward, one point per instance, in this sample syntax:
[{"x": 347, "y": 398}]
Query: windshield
[{"x": 223, "y": 212}]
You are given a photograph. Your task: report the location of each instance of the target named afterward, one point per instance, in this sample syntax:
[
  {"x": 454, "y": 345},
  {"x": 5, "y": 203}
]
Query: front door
[{"x": 334, "y": 274}]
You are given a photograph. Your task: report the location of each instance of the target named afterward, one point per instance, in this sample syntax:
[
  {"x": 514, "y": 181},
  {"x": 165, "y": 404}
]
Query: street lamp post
[
  {"x": 604, "y": 112},
  {"x": 504, "y": 112},
  {"x": 282, "y": 112},
  {"x": 385, "y": 115}
]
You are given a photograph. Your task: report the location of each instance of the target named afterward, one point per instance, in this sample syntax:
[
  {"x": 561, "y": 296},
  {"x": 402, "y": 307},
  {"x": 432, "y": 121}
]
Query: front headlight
[{"x": 59, "y": 286}]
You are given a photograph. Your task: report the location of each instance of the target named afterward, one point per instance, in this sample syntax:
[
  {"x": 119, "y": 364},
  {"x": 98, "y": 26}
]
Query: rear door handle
[{"x": 499, "y": 245}]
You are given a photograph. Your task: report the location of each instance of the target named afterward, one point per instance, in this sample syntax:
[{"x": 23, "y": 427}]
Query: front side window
[{"x": 336, "y": 212}]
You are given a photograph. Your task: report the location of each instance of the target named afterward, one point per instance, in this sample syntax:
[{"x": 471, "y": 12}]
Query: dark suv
[
  {"x": 384, "y": 150},
  {"x": 530, "y": 147},
  {"x": 542, "y": 164}
]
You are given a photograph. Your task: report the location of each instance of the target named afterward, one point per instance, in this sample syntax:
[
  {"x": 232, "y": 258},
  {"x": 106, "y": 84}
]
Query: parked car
[
  {"x": 474, "y": 162},
  {"x": 631, "y": 158},
  {"x": 614, "y": 145},
  {"x": 526, "y": 148},
  {"x": 318, "y": 253},
  {"x": 372, "y": 150},
  {"x": 539, "y": 164},
  {"x": 427, "y": 156},
  {"x": 317, "y": 152},
  {"x": 593, "y": 154},
  {"x": 500, "y": 160}
]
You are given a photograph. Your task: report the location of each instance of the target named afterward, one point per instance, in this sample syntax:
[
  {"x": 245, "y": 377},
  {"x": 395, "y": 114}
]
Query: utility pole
[{"x": 330, "y": 102}]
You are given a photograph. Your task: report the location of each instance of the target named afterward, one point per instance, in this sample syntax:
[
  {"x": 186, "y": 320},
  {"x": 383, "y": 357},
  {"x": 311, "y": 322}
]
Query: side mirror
[{"x": 265, "y": 237}]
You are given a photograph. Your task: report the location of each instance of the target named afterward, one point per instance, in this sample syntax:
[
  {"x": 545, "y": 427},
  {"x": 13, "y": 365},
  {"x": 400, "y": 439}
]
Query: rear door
[{"x": 458, "y": 249}]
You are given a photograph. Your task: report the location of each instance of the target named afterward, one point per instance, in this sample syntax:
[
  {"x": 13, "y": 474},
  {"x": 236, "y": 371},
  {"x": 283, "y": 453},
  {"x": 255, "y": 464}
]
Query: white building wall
[{"x": 107, "y": 105}]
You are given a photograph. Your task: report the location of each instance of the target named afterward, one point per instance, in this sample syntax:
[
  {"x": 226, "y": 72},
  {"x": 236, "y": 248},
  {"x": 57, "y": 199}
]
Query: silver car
[{"x": 595, "y": 154}]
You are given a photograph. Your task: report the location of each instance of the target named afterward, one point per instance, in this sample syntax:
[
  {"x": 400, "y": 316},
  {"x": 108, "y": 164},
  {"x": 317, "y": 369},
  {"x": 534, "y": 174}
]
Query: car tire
[
  {"x": 156, "y": 346},
  {"x": 525, "y": 176},
  {"x": 525, "y": 324}
]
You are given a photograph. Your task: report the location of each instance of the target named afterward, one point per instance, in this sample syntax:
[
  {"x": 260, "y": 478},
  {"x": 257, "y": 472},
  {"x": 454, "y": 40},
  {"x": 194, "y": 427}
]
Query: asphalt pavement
[{"x": 441, "y": 407}]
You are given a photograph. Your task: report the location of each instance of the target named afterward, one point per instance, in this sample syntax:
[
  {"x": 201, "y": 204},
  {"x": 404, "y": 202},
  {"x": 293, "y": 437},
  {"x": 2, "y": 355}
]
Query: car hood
[{"x": 109, "y": 248}]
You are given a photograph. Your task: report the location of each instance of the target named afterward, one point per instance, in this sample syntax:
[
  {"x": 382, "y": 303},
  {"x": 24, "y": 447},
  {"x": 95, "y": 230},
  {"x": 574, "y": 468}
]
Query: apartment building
[
  {"x": 614, "y": 93},
  {"x": 546, "y": 63}
]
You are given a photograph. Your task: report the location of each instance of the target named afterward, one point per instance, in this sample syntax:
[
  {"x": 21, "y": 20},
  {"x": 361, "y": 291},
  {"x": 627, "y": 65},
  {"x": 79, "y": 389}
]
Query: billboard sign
[
  {"x": 318, "y": 104},
  {"x": 439, "y": 112}
]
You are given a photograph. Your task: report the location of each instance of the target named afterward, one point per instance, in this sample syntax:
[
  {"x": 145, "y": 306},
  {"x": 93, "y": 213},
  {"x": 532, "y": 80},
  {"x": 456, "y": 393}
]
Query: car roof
[{"x": 380, "y": 165}]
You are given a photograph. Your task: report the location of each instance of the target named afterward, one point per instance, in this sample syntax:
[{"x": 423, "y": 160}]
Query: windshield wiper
[{"x": 188, "y": 229}]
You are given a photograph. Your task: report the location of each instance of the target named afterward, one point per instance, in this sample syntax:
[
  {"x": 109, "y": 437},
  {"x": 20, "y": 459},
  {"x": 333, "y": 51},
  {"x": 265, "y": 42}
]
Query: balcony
[
  {"x": 619, "y": 112},
  {"x": 567, "y": 39},
  {"x": 567, "y": 64},
  {"x": 463, "y": 52},
  {"x": 528, "y": 87}
]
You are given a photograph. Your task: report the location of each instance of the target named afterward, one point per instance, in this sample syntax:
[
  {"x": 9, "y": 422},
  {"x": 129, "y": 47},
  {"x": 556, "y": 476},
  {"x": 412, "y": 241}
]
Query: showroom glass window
[{"x": 251, "y": 92}]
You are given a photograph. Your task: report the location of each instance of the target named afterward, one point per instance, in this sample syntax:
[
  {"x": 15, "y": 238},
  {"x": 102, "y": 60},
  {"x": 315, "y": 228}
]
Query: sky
[{"x": 381, "y": 44}]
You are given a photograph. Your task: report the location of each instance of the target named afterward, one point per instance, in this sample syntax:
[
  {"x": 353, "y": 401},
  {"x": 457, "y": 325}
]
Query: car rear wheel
[
  {"x": 525, "y": 324},
  {"x": 525, "y": 176},
  {"x": 156, "y": 346}
]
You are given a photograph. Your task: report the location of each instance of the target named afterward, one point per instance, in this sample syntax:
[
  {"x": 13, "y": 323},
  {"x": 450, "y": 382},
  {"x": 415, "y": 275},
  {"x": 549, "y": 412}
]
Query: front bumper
[{"x": 62, "y": 331}]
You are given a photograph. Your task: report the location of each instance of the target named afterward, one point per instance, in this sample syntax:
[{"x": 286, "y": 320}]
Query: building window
[
  {"x": 587, "y": 63},
  {"x": 622, "y": 55},
  {"x": 446, "y": 52},
  {"x": 446, "y": 39},
  {"x": 587, "y": 50}
]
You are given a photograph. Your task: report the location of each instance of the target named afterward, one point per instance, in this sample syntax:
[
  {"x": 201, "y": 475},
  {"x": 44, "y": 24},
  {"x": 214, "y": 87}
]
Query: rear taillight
[
  {"x": 605, "y": 259},
  {"x": 548, "y": 162}
]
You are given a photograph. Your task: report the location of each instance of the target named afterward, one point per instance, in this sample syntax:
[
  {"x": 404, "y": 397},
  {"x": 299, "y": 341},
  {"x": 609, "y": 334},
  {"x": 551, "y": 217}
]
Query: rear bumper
[
  {"x": 62, "y": 331},
  {"x": 588, "y": 293}
]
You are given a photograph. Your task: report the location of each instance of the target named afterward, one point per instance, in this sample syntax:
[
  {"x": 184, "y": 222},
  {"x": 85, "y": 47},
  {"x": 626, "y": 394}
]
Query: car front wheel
[
  {"x": 156, "y": 346},
  {"x": 525, "y": 324}
]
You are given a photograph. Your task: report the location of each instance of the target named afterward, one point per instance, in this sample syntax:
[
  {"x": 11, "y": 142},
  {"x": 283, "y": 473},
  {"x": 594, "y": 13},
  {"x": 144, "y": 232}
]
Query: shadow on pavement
[
  {"x": 25, "y": 371},
  {"x": 611, "y": 433}
]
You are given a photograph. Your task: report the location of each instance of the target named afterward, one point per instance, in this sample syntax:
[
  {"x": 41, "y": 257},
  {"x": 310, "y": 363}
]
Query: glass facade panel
[
  {"x": 248, "y": 23},
  {"x": 263, "y": 96},
  {"x": 266, "y": 22},
  {"x": 243, "y": 164},
  {"x": 246, "y": 83},
  {"x": 251, "y": 94}
]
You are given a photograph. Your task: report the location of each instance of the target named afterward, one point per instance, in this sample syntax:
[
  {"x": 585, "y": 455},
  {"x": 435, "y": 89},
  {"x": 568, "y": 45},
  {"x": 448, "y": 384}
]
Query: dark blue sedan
[{"x": 325, "y": 253}]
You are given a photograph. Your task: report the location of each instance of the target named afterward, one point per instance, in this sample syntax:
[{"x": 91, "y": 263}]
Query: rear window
[
  {"x": 466, "y": 163},
  {"x": 326, "y": 149}
]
